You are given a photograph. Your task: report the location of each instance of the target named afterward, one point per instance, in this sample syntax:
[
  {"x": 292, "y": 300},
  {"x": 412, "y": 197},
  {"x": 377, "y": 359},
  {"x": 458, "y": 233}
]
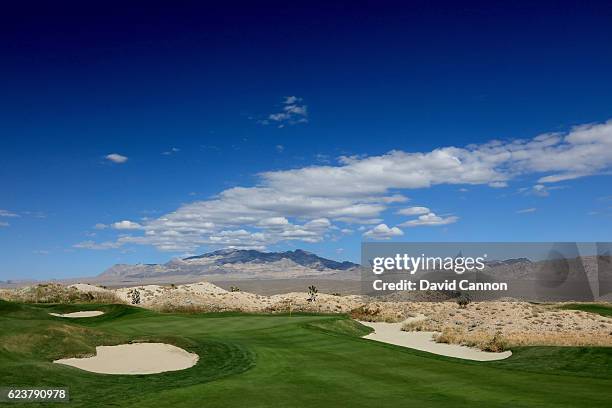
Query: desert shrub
[
  {"x": 234, "y": 289},
  {"x": 134, "y": 295},
  {"x": 497, "y": 343},
  {"x": 463, "y": 300},
  {"x": 414, "y": 325},
  {"x": 336, "y": 294},
  {"x": 482, "y": 340},
  {"x": 450, "y": 335},
  {"x": 374, "y": 313},
  {"x": 312, "y": 293},
  {"x": 366, "y": 313}
]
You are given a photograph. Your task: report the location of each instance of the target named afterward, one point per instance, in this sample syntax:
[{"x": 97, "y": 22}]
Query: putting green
[{"x": 284, "y": 361}]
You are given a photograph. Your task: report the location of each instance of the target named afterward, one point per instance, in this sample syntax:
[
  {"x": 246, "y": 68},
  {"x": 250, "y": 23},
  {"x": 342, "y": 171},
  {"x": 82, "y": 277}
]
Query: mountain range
[{"x": 229, "y": 264}]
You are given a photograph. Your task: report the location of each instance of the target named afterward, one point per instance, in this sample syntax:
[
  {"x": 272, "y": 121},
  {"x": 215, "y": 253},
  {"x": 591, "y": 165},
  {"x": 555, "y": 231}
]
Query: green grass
[
  {"x": 604, "y": 310},
  {"x": 284, "y": 361}
]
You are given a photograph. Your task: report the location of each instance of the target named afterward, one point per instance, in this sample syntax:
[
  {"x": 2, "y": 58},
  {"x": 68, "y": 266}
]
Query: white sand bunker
[
  {"x": 392, "y": 333},
  {"x": 137, "y": 358},
  {"x": 89, "y": 313}
]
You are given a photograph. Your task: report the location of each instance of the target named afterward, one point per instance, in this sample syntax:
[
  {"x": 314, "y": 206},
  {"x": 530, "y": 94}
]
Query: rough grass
[
  {"x": 484, "y": 341},
  {"x": 56, "y": 293},
  {"x": 599, "y": 308},
  {"x": 500, "y": 341},
  {"x": 278, "y": 360},
  {"x": 415, "y": 325},
  {"x": 185, "y": 308}
]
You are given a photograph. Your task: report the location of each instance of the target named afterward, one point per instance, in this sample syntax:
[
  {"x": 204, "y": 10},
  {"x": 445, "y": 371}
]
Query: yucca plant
[{"x": 312, "y": 293}]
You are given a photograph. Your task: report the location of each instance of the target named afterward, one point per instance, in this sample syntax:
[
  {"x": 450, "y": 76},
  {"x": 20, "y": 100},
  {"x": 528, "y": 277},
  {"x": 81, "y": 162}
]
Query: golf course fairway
[{"x": 283, "y": 361}]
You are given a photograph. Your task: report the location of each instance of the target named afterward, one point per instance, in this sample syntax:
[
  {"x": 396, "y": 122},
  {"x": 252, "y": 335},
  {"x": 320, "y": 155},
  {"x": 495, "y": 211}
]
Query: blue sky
[{"x": 280, "y": 126}]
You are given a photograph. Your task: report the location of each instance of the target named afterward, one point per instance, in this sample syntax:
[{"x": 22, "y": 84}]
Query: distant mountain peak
[{"x": 232, "y": 262}]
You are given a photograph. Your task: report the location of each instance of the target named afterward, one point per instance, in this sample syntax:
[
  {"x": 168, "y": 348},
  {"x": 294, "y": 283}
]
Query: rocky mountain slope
[{"x": 231, "y": 264}]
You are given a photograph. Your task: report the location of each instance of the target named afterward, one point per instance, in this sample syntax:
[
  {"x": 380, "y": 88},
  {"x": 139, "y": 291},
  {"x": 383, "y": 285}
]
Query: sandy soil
[
  {"x": 392, "y": 333},
  {"x": 205, "y": 296},
  {"x": 85, "y": 287},
  {"x": 89, "y": 313},
  {"x": 518, "y": 323},
  {"x": 137, "y": 358}
]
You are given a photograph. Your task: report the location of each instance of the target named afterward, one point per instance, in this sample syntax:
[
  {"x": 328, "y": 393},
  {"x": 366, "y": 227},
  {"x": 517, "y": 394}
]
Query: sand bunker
[
  {"x": 137, "y": 358},
  {"x": 392, "y": 333},
  {"x": 89, "y": 313}
]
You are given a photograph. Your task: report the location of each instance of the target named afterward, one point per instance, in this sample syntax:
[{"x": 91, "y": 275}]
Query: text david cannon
[{"x": 424, "y": 284}]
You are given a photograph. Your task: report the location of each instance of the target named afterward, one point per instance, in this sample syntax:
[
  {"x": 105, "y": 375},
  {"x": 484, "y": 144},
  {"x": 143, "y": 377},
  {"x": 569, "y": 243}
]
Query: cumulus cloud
[
  {"x": 382, "y": 231},
  {"x": 430, "y": 220},
  {"x": 116, "y": 158},
  {"x": 125, "y": 225},
  {"x": 413, "y": 211},
  {"x": 293, "y": 112},
  {"x": 292, "y": 204},
  {"x": 274, "y": 222}
]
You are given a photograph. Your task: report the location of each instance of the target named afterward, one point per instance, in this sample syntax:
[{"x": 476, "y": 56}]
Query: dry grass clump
[
  {"x": 55, "y": 293},
  {"x": 375, "y": 313},
  {"x": 416, "y": 325},
  {"x": 501, "y": 341},
  {"x": 559, "y": 338},
  {"x": 484, "y": 341}
]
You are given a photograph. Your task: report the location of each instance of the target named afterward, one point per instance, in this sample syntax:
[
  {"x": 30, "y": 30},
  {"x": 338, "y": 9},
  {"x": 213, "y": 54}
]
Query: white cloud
[
  {"x": 116, "y": 158},
  {"x": 126, "y": 225},
  {"x": 359, "y": 190},
  {"x": 6, "y": 213},
  {"x": 4, "y": 224},
  {"x": 539, "y": 190},
  {"x": 97, "y": 246},
  {"x": 382, "y": 231},
  {"x": 100, "y": 226},
  {"x": 526, "y": 211},
  {"x": 413, "y": 211},
  {"x": 293, "y": 112},
  {"x": 430, "y": 220},
  {"x": 35, "y": 214},
  {"x": 395, "y": 198},
  {"x": 273, "y": 222},
  {"x": 170, "y": 152}
]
